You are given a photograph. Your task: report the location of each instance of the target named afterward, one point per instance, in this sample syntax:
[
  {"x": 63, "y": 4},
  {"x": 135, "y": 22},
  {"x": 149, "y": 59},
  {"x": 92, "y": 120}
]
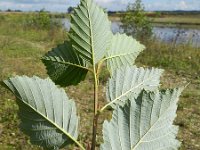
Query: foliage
[
  {"x": 144, "y": 123},
  {"x": 178, "y": 58},
  {"x": 2, "y": 18},
  {"x": 42, "y": 116},
  {"x": 70, "y": 10},
  {"x": 49, "y": 117},
  {"x": 135, "y": 21},
  {"x": 141, "y": 78},
  {"x": 41, "y": 20}
]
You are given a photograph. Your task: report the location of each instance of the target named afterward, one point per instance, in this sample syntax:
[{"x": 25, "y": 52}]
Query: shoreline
[
  {"x": 188, "y": 21},
  {"x": 172, "y": 20}
]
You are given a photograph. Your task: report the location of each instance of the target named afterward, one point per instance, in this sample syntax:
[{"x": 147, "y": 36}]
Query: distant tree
[
  {"x": 40, "y": 20},
  {"x": 105, "y": 10},
  {"x": 135, "y": 22},
  {"x": 158, "y": 14},
  {"x": 42, "y": 10},
  {"x": 70, "y": 10},
  {"x": 17, "y": 10},
  {"x": 43, "y": 19},
  {"x": 8, "y": 10}
]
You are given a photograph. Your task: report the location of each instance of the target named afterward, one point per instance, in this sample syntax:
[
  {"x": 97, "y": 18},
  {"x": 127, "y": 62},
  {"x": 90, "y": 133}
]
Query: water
[
  {"x": 179, "y": 35},
  {"x": 66, "y": 23}
]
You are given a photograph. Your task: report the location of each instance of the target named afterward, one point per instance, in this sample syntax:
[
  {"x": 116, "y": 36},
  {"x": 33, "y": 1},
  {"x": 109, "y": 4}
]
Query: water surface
[{"x": 177, "y": 35}]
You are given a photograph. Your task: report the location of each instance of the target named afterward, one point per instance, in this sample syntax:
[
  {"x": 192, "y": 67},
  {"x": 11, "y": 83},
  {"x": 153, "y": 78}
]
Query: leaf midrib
[
  {"x": 123, "y": 54},
  {"x": 113, "y": 101},
  {"x": 160, "y": 117},
  {"x": 67, "y": 63},
  {"x": 61, "y": 129},
  {"x": 91, "y": 37}
]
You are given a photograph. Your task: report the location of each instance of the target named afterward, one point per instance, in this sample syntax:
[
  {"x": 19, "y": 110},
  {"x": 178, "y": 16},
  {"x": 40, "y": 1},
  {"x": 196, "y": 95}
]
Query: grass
[
  {"x": 178, "y": 19},
  {"x": 20, "y": 52},
  {"x": 168, "y": 20}
]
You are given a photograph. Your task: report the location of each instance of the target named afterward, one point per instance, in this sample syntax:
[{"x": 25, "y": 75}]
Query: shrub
[
  {"x": 135, "y": 22},
  {"x": 2, "y": 18},
  {"x": 42, "y": 20},
  {"x": 142, "y": 114}
]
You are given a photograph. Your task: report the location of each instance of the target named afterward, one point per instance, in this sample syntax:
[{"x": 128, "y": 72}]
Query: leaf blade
[
  {"x": 141, "y": 125},
  {"x": 90, "y": 31},
  {"x": 123, "y": 52},
  {"x": 47, "y": 122},
  {"x": 64, "y": 66},
  {"x": 128, "y": 80}
]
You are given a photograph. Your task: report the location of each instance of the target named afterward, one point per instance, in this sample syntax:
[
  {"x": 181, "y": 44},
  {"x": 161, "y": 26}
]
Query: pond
[{"x": 177, "y": 35}]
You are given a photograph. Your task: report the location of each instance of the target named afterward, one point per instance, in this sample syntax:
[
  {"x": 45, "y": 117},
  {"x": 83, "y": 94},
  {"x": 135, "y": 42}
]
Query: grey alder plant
[{"x": 142, "y": 114}]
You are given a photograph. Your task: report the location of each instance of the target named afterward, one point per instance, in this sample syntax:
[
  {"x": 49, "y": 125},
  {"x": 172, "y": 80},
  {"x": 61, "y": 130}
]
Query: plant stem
[
  {"x": 95, "y": 123},
  {"x": 95, "y": 119}
]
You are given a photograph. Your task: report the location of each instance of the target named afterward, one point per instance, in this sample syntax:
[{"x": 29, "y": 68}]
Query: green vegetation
[
  {"x": 166, "y": 19},
  {"x": 141, "y": 110},
  {"x": 182, "y": 63},
  {"x": 21, "y": 48},
  {"x": 135, "y": 22},
  {"x": 177, "y": 19},
  {"x": 20, "y": 52},
  {"x": 40, "y": 21}
]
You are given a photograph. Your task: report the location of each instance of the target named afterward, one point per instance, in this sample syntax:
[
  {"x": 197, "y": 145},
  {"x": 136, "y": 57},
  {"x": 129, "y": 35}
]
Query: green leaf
[
  {"x": 90, "y": 31},
  {"x": 128, "y": 81},
  {"x": 144, "y": 123},
  {"x": 123, "y": 52},
  {"x": 47, "y": 115},
  {"x": 64, "y": 66}
]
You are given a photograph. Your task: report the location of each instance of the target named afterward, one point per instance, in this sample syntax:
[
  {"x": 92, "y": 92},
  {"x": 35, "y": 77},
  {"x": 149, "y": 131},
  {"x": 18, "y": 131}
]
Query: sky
[{"x": 113, "y": 5}]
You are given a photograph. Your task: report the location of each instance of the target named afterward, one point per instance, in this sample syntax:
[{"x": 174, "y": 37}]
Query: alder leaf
[
  {"x": 64, "y": 66},
  {"x": 144, "y": 123},
  {"x": 47, "y": 115},
  {"x": 90, "y": 31},
  {"x": 128, "y": 81},
  {"x": 123, "y": 52}
]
